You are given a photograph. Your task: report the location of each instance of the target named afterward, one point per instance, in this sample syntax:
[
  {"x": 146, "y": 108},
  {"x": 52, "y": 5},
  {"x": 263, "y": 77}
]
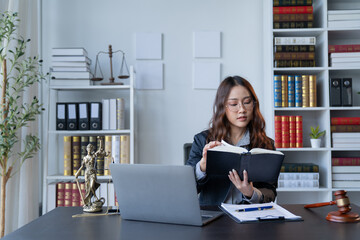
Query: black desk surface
[{"x": 59, "y": 224}]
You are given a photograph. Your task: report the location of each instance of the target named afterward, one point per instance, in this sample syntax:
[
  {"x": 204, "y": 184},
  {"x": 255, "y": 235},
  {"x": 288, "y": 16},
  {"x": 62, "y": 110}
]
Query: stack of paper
[{"x": 343, "y": 18}]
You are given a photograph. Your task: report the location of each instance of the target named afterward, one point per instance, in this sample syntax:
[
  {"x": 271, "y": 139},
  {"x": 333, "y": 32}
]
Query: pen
[{"x": 253, "y": 209}]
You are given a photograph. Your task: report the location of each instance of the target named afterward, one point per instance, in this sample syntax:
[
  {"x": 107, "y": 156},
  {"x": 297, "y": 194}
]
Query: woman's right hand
[{"x": 207, "y": 147}]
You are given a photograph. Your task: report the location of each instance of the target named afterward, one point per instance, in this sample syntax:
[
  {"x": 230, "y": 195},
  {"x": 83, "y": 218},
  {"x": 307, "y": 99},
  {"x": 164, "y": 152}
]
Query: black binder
[
  {"x": 61, "y": 115},
  {"x": 95, "y": 116},
  {"x": 346, "y": 91},
  {"x": 335, "y": 92},
  {"x": 84, "y": 116},
  {"x": 72, "y": 116}
]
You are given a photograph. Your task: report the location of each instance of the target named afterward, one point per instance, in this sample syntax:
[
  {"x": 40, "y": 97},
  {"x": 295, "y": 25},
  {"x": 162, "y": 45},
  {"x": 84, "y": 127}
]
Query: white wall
[{"x": 167, "y": 118}]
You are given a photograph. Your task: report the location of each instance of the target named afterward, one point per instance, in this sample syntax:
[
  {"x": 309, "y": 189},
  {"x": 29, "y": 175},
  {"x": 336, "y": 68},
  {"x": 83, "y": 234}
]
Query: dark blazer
[{"x": 213, "y": 190}]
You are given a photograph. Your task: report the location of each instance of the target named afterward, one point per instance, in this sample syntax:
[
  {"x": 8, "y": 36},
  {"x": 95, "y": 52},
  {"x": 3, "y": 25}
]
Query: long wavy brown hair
[{"x": 219, "y": 124}]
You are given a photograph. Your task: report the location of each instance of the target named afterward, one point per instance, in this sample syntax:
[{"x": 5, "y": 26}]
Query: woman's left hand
[{"x": 243, "y": 186}]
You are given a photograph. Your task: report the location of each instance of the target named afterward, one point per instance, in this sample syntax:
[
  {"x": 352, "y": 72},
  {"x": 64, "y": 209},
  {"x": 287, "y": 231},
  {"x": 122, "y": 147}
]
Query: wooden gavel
[{"x": 343, "y": 214}]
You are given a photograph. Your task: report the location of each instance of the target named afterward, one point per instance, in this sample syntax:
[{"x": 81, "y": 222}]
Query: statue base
[{"x": 96, "y": 206}]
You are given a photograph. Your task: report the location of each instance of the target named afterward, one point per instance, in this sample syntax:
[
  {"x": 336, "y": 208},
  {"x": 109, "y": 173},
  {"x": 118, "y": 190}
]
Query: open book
[
  {"x": 243, "y": 213},
  {"x": 262, "y": 165}
]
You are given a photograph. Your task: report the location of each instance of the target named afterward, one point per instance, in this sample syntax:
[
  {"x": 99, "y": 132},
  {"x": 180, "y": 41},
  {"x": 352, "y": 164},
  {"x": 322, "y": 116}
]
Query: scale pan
[
  {"x": 96, "y": 79},
  {"x": 123, "y": 76}
]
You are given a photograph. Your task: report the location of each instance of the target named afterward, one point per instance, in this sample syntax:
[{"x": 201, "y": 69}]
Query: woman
[{"x": 238, "y": 121}]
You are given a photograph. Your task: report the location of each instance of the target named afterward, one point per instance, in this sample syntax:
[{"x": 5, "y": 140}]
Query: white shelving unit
[
  {"x": 322, "y": 114},
  {"x": 54, "y": 162}
]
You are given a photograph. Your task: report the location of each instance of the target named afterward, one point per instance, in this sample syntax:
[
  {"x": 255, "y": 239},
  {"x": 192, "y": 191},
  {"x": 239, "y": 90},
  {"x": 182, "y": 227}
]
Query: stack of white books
[
  {"x": 298, "y": 180},
  {"x": 70, "y": 66},
  {"x": 346, "y": 139},
  {"x": 343, "y": 18},
  {"x": 345, "y": 59},
  {"x": 346, "y": 176}
]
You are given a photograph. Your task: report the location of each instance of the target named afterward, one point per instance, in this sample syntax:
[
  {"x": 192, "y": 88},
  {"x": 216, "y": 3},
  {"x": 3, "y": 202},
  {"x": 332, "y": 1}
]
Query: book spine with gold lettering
[
  {"x": 60, "y": 194},
  {"x": 277, "y": 91},
  {"x": 291, "y": 91},
  {"x": 125, "y": 149},
  {"x": 299, "y": 131},
  {"x": 83, "y": 191},
  {"x": 293, "y": 24},
  {"x": 285, "y": 133},
  {"x": 67, "y": 156},
  {"x": 115, "y": 149},
  {"x": 68, "y": 194},
  {"x": 76, "y": 153},
  {"x": 120, "y": 113},
  {"x": 84, "y": 143},
  {"x": 108, "y": 149},
  {"x": 294, "y": 55},
  {"x": 312, "y": 91},
  {"x": 100, "y": 159},
  {"x": 305, "y": 90},
  {"x": 284, "y": 90},
  {"x": 298, "y": 91},
  {"x": 292, "y": 131},
  {"x": 277, "y": 123},
  {"x": 93, "y": 141},
  {"x": 75, "y": 195}
]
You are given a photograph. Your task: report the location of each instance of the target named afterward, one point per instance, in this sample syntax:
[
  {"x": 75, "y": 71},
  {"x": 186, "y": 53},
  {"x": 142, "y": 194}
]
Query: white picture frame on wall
[
  {"x": 148, "y": 46},
  {"x": 207, "y": 44}
]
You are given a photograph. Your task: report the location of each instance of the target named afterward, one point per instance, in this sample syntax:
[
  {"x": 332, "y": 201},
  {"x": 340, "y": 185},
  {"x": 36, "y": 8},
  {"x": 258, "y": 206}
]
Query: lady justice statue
[{"x": 91, "y": 183}]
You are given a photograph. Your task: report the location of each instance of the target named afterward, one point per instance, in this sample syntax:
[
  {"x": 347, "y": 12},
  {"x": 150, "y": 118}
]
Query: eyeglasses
[{"x": 234, "y": 106}]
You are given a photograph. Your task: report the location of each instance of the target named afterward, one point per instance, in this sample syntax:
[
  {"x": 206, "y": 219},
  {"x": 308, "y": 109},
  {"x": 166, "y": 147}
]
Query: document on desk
[{"x": 243, "y": 213}]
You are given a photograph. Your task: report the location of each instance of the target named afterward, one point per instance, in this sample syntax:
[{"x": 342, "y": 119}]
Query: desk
[{"x": 59, "y": 225}]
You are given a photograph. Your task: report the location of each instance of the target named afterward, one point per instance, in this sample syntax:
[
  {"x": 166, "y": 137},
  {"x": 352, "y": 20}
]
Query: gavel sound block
[{"x": 343, "y": 214}]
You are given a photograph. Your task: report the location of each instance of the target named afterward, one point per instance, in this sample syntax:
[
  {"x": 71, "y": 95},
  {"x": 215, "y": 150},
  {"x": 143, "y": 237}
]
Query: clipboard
[{"x": 274, "y": 214}]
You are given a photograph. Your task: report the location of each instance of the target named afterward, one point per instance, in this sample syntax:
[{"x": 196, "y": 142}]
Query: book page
[
  {"x": 276, "y": 212},
  {"x": 226, "y": 147}
]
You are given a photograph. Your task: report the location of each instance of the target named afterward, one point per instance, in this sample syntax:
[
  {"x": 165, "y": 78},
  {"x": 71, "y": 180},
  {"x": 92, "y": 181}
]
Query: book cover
[
  {"x": 125, "y": 149},
  {"x": 294, "y": 63},
  {"x": 305, "y": 90},
  {"x": 285, "y": 132},
  {"x": 279, "y": 3},
  {"x": 298, "y": 184},
  {"x": 345, "y": 169},
  {"x": 70, "y": 64},
  {"x": 76, "y": 153},
  {"x": 292, "y": 9},
  {"x": 284, "y": 90},
  {"x": 71, "y": 59},
  {"x": 108, "y": 160},
  {"x": 70, "y": 69},
  {"x": 299, "y": 167},
  {"x": 345, "y": 128},
  {"x": 93, "y": 141},
  {"x": 293, "y": 17},
  {"x": 291, "y": 91},
  {"x": 262, "y": 165},
  {"x": 299, "y": 131},
  {"x": 106, "y": 114},
  {"x": 112, "y": 114},
  {"x": 344, "y": 60},
  {"x": 299, "y": 176},
  {"x": 277, "y": 124},
  {"x": 346, "y": 177},
  {"x": 345, "y": 55},
  {"x": 71, "y": 75},
  {"x": 277, "y": 91},
  {"x": 294, "y": 48},
  {"x": 292, "y": 24},
  {"x": 295, "y": 40},
  {"x": 345, "y": 64},
  {"x": 346, "y": 145},
  {"x": 345, "y": 184},
  {"x": 294, "y": 55},
  {"x": 344, "y": 48},
  {"x": 345, "y": 121},
  {"x": 73, "y": 51},
  {"x": 115, "y": 148},
  {"x": 60, "y": 194},
  {"x": 67, "y": 155},
  {"x": 312, "y": 91},
  {"x": 345, "y": 161},
  {"x": 344, "y": 24},
  {"x": 346, "y": 135},
  {"x": 68, "y": 82}
]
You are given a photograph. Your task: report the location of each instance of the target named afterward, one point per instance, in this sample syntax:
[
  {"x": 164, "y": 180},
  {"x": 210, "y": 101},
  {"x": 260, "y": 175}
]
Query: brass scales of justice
[{"x": 124, "y": 70}]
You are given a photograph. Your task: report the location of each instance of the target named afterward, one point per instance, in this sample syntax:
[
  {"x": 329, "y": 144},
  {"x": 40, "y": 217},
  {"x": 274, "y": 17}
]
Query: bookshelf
[
  {"x": 54, "y": 156},
  {"x": 323, "y": 112}
]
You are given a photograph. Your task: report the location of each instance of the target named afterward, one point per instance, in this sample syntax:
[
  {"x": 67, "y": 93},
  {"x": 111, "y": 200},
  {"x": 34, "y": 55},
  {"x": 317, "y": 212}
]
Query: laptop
[{"x": 159, "y": 193}]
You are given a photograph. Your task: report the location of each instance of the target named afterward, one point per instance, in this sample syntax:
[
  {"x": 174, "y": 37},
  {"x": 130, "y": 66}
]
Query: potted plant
[
  {"x": 315, "y": 135},
  {"x": 17, "y": 74}
]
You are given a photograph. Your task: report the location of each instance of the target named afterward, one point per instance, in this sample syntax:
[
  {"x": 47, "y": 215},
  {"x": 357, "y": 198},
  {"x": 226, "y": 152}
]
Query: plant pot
[{"x": 315, "y": 143}]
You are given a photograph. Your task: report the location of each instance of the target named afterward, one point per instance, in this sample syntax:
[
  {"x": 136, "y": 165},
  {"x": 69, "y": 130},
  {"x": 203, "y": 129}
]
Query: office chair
[{"x": 187, "y": 148}]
